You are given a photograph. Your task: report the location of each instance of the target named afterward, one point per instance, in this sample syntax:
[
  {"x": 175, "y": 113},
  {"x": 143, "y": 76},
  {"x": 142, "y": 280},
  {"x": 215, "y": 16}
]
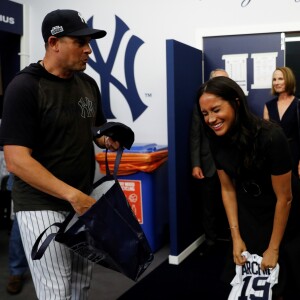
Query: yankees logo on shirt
[{"x": 250, "y": 282}]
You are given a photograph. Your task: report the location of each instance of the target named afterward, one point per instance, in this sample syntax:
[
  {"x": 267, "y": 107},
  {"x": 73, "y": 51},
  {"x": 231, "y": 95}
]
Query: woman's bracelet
[{"x": 234, "y": 227}]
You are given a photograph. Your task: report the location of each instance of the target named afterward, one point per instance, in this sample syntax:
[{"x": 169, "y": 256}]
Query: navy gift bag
[{"x": 108, "y": 233}]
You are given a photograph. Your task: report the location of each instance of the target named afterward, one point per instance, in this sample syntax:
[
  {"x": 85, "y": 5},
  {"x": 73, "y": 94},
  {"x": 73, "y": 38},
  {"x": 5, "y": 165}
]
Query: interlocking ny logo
[
  {"x": 104, "y": 69},
  {"x": 87, "y": 108}
]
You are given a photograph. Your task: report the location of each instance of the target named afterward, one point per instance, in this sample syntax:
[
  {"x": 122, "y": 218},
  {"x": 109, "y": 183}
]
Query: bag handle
[
  {"x": 117, "y": 162},
  {"x": 37, "y": 253}
]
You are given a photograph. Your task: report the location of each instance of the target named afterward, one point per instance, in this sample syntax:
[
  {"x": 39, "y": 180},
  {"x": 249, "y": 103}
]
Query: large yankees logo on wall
[{"x": 104, "y": 69}]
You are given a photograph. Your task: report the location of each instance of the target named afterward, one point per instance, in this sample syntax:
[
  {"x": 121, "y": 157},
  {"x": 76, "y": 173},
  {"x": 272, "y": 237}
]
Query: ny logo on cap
[{"x": 81, "y": 17}]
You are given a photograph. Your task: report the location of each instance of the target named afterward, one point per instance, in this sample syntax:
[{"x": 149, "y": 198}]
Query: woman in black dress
[
  {"x": 252, "y": 156},
  {"x": 283, "y": 110}
]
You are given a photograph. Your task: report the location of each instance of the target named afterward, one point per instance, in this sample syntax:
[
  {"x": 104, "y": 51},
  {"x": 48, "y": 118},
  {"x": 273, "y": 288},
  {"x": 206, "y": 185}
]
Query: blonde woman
[{"x": 283, "y": 110}]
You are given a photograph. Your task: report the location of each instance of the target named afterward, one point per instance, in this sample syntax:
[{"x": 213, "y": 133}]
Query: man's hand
[
  {"x": 110, "y": 144},
  {"x": 197, "y": 173},
  {"x": 82, "y": 202}
]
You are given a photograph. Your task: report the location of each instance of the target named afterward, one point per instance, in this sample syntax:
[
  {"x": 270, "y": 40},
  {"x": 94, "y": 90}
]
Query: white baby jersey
[{"x": 250, "y": 282}]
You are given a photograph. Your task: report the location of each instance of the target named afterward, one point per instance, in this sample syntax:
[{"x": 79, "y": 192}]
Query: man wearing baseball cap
[
  {"x": 49, "y": 110},
  {"x": 67, "y": 22}
]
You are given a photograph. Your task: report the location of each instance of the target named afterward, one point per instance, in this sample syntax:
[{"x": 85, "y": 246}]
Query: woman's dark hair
[{"x": 246, "y": 127}]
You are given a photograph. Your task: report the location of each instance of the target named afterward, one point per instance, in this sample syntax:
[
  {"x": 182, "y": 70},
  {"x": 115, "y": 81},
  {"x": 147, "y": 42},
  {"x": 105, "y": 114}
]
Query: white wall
[{"x": 154, "y": 22}]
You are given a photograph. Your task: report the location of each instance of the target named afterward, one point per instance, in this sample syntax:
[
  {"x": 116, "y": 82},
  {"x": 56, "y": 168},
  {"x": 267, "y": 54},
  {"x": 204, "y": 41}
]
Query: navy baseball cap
[{"x": 67, "y": 22}]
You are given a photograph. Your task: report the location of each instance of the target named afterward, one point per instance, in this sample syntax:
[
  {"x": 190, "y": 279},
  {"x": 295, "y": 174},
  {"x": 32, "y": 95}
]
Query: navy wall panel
[
  {"x": 184, "y": 76},
  {"x": 215, "y": 47}
]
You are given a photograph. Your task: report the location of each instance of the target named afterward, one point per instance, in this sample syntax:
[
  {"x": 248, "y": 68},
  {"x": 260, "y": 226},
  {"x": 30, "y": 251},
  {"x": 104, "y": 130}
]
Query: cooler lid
[{"x": 145, "y": 148}]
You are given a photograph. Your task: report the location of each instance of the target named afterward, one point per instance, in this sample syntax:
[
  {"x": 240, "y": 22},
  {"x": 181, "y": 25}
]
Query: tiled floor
[{"x": 106, "y": 284}]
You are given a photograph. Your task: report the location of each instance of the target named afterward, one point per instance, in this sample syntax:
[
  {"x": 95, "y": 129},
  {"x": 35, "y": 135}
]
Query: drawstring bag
[{"x": 108, "y": 234}]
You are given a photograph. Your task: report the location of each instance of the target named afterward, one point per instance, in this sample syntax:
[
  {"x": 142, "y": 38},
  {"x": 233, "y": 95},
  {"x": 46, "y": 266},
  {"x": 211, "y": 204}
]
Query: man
[
  {"x": 49, "y": 110},
  {"x": 205, "y": 172},
  {"x": 218, "y": 72}
]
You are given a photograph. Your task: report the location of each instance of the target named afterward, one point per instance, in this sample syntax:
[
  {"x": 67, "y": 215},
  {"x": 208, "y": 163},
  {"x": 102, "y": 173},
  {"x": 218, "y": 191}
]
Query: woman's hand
[
  {"x": 238, "y": 248},
  {"x": 270, "y": 259}
]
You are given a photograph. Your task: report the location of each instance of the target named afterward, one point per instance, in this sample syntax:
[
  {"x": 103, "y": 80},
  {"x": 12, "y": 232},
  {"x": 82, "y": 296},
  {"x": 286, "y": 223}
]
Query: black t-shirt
[
  {"x": 255, "y": 194},
  {"x": 53, "y": 117}
]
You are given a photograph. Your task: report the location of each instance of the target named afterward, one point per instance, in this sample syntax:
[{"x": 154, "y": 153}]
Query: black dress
[
  {"x": 290, "y": 126},
  {"x": 255, "y": 196}
]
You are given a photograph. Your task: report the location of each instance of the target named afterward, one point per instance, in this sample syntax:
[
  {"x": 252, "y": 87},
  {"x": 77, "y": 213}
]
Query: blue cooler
[{"x": 147, "y": 194}]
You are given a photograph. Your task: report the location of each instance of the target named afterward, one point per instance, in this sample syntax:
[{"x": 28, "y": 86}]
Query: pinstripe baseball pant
[{"x": 60, "y": 274}]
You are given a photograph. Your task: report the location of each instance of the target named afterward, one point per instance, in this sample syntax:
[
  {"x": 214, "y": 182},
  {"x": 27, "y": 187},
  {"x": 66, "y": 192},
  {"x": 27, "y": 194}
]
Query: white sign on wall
[
  {"x": 236, "y": 66},
  {"x": 264, "y": 65}
]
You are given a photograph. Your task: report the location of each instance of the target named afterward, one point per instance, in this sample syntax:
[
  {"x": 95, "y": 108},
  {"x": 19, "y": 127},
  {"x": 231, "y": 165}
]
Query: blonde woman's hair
[{"x": 289, "y": 80}]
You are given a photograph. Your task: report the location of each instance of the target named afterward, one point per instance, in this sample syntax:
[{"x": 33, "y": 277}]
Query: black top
[
  {"x": 290, "y": 126},
  {"x": 53, "y": 117},
  {"x": 255, "y": 195},
  {"x": 256, "y": 198}
]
